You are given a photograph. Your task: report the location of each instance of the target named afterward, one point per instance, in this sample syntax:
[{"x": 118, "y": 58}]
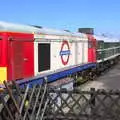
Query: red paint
[
  {"x": 91, "y": 48},
  {"x": 18, "y": 54},
  {"x": 28, "y": 59},
  {"x": 3, "y": 50}
]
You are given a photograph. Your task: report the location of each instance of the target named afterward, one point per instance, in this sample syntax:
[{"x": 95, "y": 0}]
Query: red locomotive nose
[
  {"x": 17, "y": 56},
  {"x": 91, "y": 48}
]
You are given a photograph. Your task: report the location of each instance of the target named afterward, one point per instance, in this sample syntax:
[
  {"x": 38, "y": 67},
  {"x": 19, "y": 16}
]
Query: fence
[
  {"x": 84, "y": 105},
  {"x": 44, "y": 103}
]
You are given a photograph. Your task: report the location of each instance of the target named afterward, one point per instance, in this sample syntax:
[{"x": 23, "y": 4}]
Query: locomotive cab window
[
  {"x": 90, "y": 44},
  {"x": 43, "y": 56}
]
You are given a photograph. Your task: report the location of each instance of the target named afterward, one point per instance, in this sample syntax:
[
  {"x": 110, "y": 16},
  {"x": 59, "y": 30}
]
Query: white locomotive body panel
[{"x": 65, "y": 51}]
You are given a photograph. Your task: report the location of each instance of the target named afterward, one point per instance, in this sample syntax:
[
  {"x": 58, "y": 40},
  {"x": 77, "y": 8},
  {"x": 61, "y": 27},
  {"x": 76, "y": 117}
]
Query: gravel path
[{"x": 110, "y": 80}]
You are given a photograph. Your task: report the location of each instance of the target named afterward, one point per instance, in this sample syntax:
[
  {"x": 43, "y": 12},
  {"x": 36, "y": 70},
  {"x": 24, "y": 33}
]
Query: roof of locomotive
[
  {"x": 10, "y": 27},
  {"x": 5, "y": 26},
  {"x": 106, "y": 39}
]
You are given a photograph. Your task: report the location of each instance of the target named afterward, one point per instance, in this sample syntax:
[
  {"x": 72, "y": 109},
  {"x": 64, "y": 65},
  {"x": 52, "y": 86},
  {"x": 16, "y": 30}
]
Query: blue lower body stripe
[{"x": 57, "y": 75}]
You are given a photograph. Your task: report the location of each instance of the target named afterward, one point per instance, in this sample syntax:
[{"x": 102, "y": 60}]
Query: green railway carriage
[
  {"x": 112, "y": 48},
  {"x": 107, "y": 48},
  {"x": 100, "y": 47},
  {"x": 108, "y": 52}
]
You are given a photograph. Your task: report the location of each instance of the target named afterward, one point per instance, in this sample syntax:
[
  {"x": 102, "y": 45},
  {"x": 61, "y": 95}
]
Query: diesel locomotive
[{"x": 29, "y": 53}]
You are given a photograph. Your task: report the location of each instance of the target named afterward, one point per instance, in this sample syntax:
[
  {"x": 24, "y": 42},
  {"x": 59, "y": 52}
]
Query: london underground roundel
[{"x": 65, "y": 52}]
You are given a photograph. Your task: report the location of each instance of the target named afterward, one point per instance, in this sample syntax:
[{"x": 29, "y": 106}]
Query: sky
[{"x": 103, "y": 15}]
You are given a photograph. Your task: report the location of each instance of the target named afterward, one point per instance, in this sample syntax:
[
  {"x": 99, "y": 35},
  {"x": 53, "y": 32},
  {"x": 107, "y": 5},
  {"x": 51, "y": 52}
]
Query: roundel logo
[{"x": 65, "y": 52}]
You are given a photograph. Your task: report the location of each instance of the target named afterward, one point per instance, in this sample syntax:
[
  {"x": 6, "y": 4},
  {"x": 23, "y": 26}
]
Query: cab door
[
  {"x": 21, "y": 57},
  {"x": 16, "y": 61}
]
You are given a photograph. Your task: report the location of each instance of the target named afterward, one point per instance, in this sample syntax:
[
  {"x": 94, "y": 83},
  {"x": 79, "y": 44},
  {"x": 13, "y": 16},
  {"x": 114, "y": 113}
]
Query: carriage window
[{"x": 43, "y": 56}]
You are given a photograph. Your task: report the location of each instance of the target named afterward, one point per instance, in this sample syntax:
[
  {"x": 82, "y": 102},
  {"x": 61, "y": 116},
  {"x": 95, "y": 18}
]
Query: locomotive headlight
[{"x": 3, "y": 74}]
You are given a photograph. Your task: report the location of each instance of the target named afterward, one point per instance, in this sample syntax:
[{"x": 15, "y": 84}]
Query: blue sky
[{"x": 103, "y": 15}]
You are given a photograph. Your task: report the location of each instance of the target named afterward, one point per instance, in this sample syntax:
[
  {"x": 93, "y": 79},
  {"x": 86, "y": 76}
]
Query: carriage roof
[
  {"x": 10, "y": 27},
  {"x": 106, "y": 39}
]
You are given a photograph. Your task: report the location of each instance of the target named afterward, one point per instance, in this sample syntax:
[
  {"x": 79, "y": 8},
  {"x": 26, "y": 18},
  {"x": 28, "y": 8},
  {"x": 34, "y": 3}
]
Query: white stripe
[
  {"x": 107, "y": 49},
  {"x": 98, "y": 61}
]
